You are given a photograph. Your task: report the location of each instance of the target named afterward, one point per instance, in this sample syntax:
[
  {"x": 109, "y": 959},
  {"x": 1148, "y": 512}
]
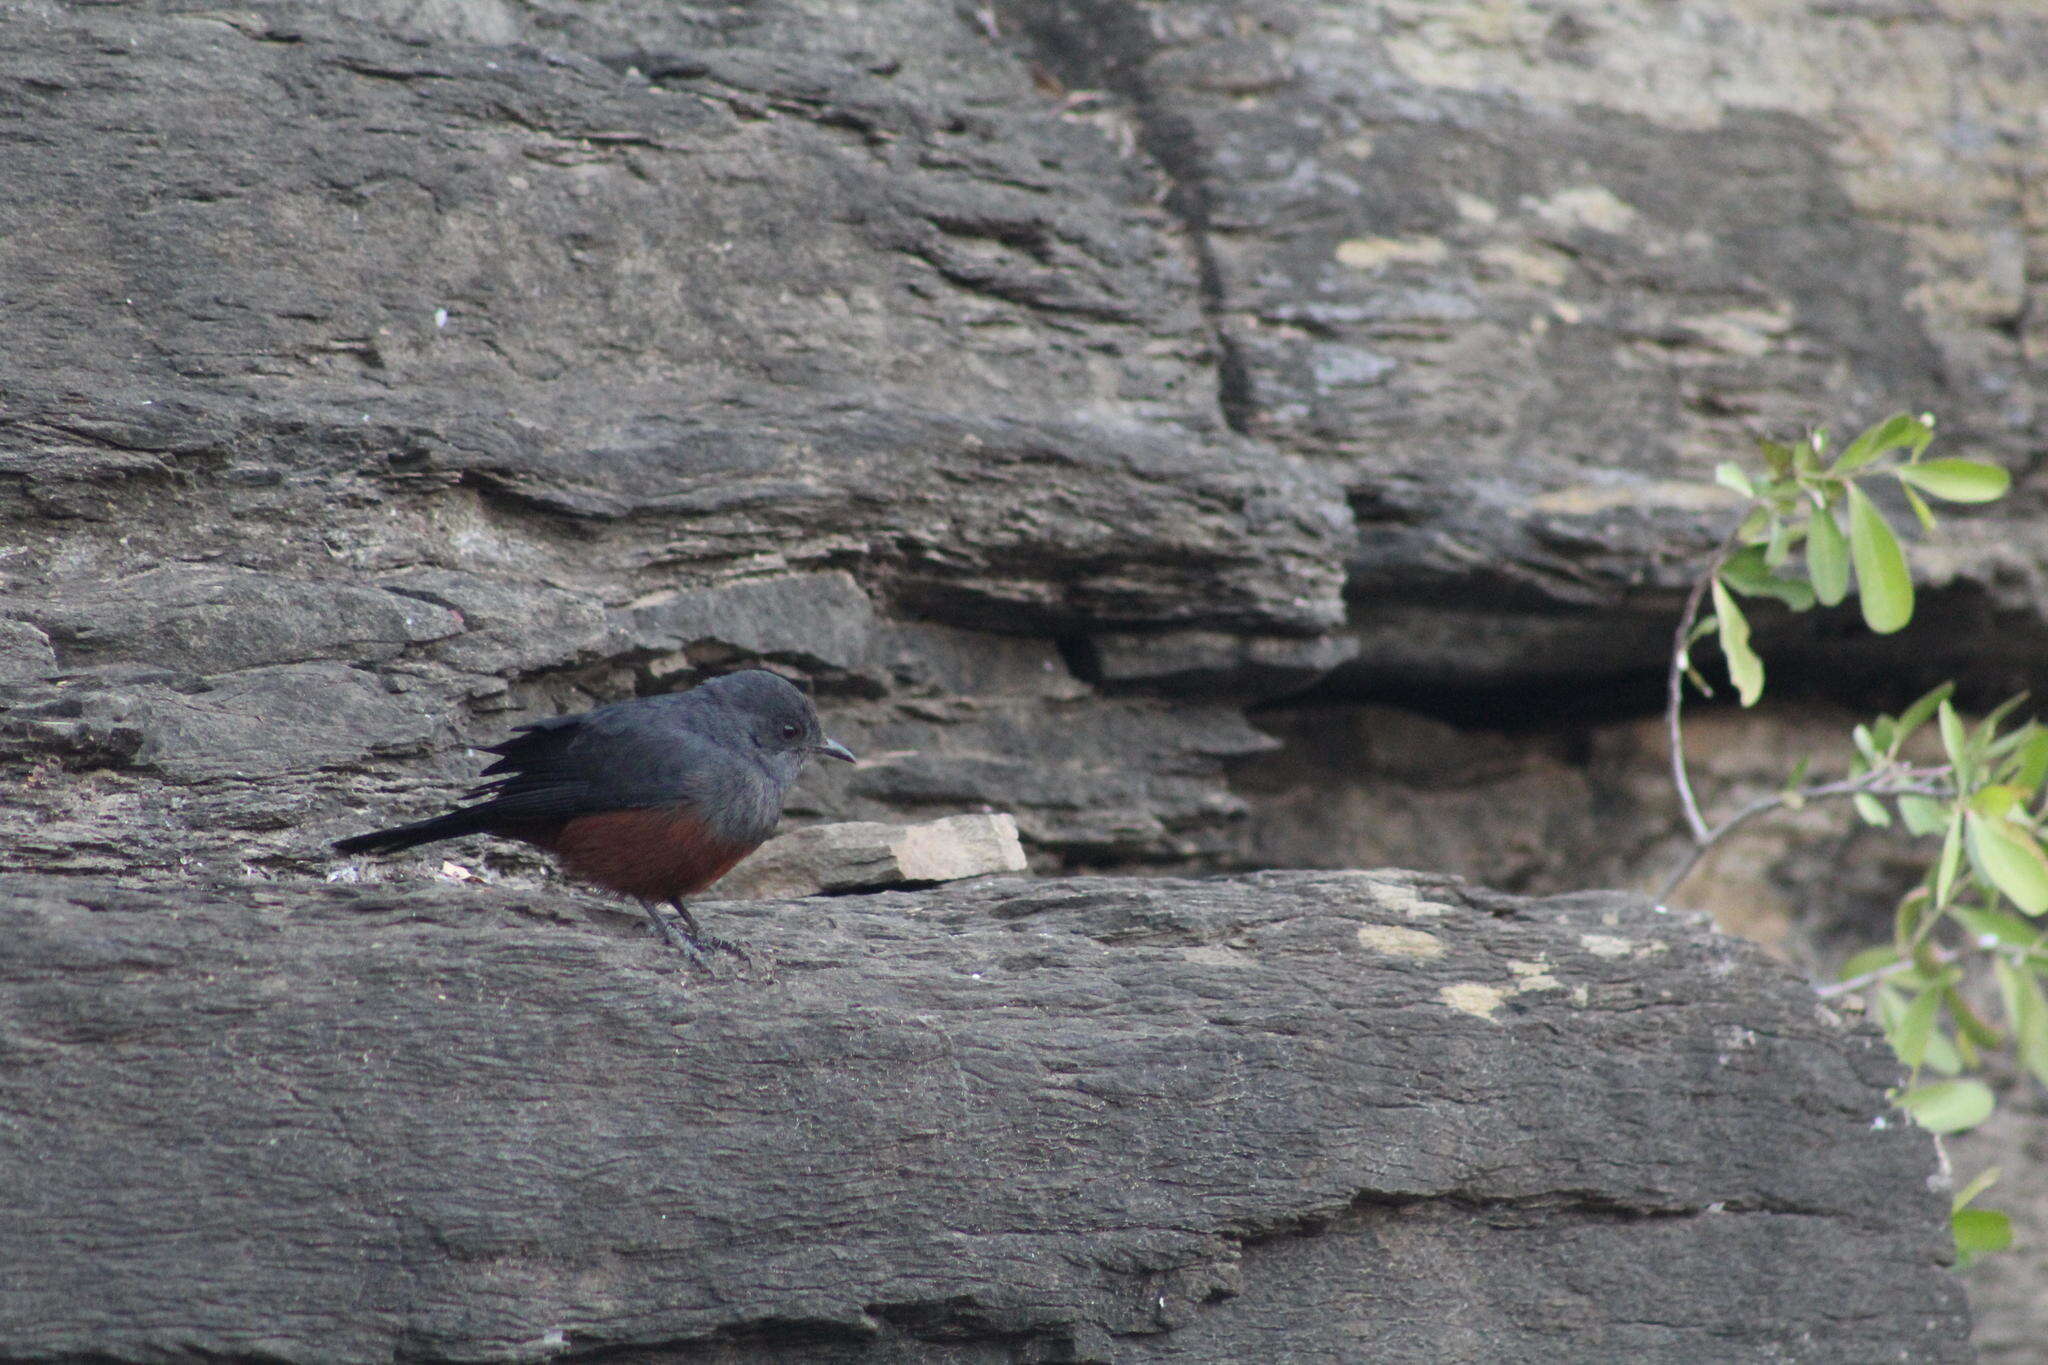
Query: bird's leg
[
  {"x": 692, "y": 941},
  {"x": 677, "y": 938},
  {"x": 703, "y": 940}
]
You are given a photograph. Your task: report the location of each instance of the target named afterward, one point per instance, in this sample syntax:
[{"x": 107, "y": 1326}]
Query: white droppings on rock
[
  {"x": 1370, "y": 253},
  {"x": 1473, "y": 998},
  {"x": 1608, "y": 945},
  {"x": 1399, "y": 895},
  {"x": 1584, "y": 206},
  {"x": 1399, "y": 941}
]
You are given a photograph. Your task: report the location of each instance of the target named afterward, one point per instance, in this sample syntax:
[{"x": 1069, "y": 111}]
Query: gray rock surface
[
  {"x": 544, "y": 355},
  {"x": 1519, "y": 276},
  {"x": 516, "y": 377},
  {"x": 1292, "y": 1116}
]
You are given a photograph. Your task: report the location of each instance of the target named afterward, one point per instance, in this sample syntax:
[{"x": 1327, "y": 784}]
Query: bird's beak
[{"x": 832, "y": 748}]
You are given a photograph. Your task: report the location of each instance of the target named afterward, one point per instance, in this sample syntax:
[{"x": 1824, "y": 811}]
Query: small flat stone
[{"x": 866, "y": 855}]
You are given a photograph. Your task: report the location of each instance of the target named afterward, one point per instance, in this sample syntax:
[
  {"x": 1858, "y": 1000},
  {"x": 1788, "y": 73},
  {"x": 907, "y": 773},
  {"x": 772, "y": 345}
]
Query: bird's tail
[{"x": 453, "y": 825}]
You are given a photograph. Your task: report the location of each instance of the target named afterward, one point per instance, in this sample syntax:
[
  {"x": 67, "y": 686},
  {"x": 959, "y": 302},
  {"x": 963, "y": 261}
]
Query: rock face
[
  {"x": 1047, "y": 381},
  {"x": 505, "y": 378},
  {"x": 1056, "y": 386},
  {"x": 1517, "y": 277},
  {"x": 1292, "y": 1116}
]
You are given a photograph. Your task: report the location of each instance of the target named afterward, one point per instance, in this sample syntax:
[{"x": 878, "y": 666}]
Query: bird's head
[{"x": 775, "y": 717}]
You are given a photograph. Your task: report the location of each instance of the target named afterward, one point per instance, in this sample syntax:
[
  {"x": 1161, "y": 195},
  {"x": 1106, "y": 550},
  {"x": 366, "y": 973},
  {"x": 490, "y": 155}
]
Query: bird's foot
[{"x": 685, "y": 937}]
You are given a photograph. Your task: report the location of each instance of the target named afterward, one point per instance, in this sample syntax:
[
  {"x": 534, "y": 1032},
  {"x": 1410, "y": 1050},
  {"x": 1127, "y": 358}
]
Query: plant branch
[
  {"x": 1674, "y": 692},
  {"x": 1896, "y": 782},
  {"x": 1942, "y": 957}
]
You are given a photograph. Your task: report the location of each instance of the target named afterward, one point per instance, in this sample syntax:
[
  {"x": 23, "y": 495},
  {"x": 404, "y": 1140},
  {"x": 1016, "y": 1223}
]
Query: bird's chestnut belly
[{"x": 655, "y": 854}]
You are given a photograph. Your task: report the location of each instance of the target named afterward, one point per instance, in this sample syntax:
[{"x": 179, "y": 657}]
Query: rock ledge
[{"x": 1287, "y": 1116}]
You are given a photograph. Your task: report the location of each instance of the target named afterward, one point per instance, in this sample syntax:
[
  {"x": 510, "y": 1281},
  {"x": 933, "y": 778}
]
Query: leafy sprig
[
  {"x": 1810, "y": 530},
  {"x": 1800, "y": 500}
]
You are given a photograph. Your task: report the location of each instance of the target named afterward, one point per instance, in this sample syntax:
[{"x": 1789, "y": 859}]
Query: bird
[{"x": 654, "y": 798}]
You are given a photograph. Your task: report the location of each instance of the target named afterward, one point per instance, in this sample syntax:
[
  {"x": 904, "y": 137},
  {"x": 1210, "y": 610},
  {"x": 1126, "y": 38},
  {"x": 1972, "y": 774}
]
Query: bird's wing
[{"x": 615, "y": 758}]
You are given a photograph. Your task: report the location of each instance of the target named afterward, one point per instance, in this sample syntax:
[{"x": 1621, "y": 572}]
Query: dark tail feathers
[{"x": 453, "y": 825}]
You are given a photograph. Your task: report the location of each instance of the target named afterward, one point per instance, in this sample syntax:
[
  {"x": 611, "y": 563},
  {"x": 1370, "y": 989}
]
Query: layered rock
[{"x": 1283, "y": 1117}]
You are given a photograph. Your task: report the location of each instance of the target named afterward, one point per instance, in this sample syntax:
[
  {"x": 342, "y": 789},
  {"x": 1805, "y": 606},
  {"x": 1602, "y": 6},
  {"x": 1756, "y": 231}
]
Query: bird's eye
[{"x": 792, "y": 731}]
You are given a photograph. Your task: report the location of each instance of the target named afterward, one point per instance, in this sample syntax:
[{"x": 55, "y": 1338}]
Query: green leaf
[
  {"x": 1985, "y": 743},
  {"x": 1730, "y": 476},
  {"x": 1918, "y": 445},
  {"x": 1891, "y": 1009},
  {"x": 1955, "y": 740},
  {"x": 1948, "y": 1106},
  {"x": 1958, "y": 480},
  {"x": 2026, "y": 1010},
  {"x": 1900, "y": 429},
  {"x": 1951, "y": 860},
  {"x": 2012, "y": 988},
  {"x": 1883, "y": 587},
  {"x": 1922, "y": 815},
  {"x": 1970, "y": 1025},
  {"x": 2030, "y": 760},
  {"x": 1906, "y": 917},
  {"x": 2033, "y": 1035},
  {"x": 1869, "y": 960},
  {"x": 1778, "y": 548},
  {"x": 1915, "y": 1027},
  {"x": 1745, "y": 670},
  {"x": 1983, "y": 1181},
  {"x": 1915, "y": 716},
  {"x": 1747, "y": 573},
  {"x": 1995, "y": 800},
  {"x": 2010, "y": 860},
  {"x": 1806, "y": 454},
  {"x": 1922, "y": 513},
  {"x": 1978, "y": 1231},
  {"x": 1827, "y": 557},
  {"x": 1872, "y": 811},
  {"x": 1942, "y": 1055},
  {"x": 2011, "y": 741},
  {"x": 2010, "y": 930},
  {"x": 1778, "y": 456},
  {"x": 1988, "y": 727}
]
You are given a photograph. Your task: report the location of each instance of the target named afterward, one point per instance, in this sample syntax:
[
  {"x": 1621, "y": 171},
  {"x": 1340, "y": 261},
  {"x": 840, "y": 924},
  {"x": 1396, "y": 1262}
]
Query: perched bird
[{"x": 655, "y": 798}]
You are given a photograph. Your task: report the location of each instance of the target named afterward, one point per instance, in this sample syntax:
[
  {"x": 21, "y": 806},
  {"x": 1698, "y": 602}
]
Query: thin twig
[
  {"x": 1896, "y": 782},
  {"x": 1942, "y": 957},
  {"x": 1674, "y": 692}
]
